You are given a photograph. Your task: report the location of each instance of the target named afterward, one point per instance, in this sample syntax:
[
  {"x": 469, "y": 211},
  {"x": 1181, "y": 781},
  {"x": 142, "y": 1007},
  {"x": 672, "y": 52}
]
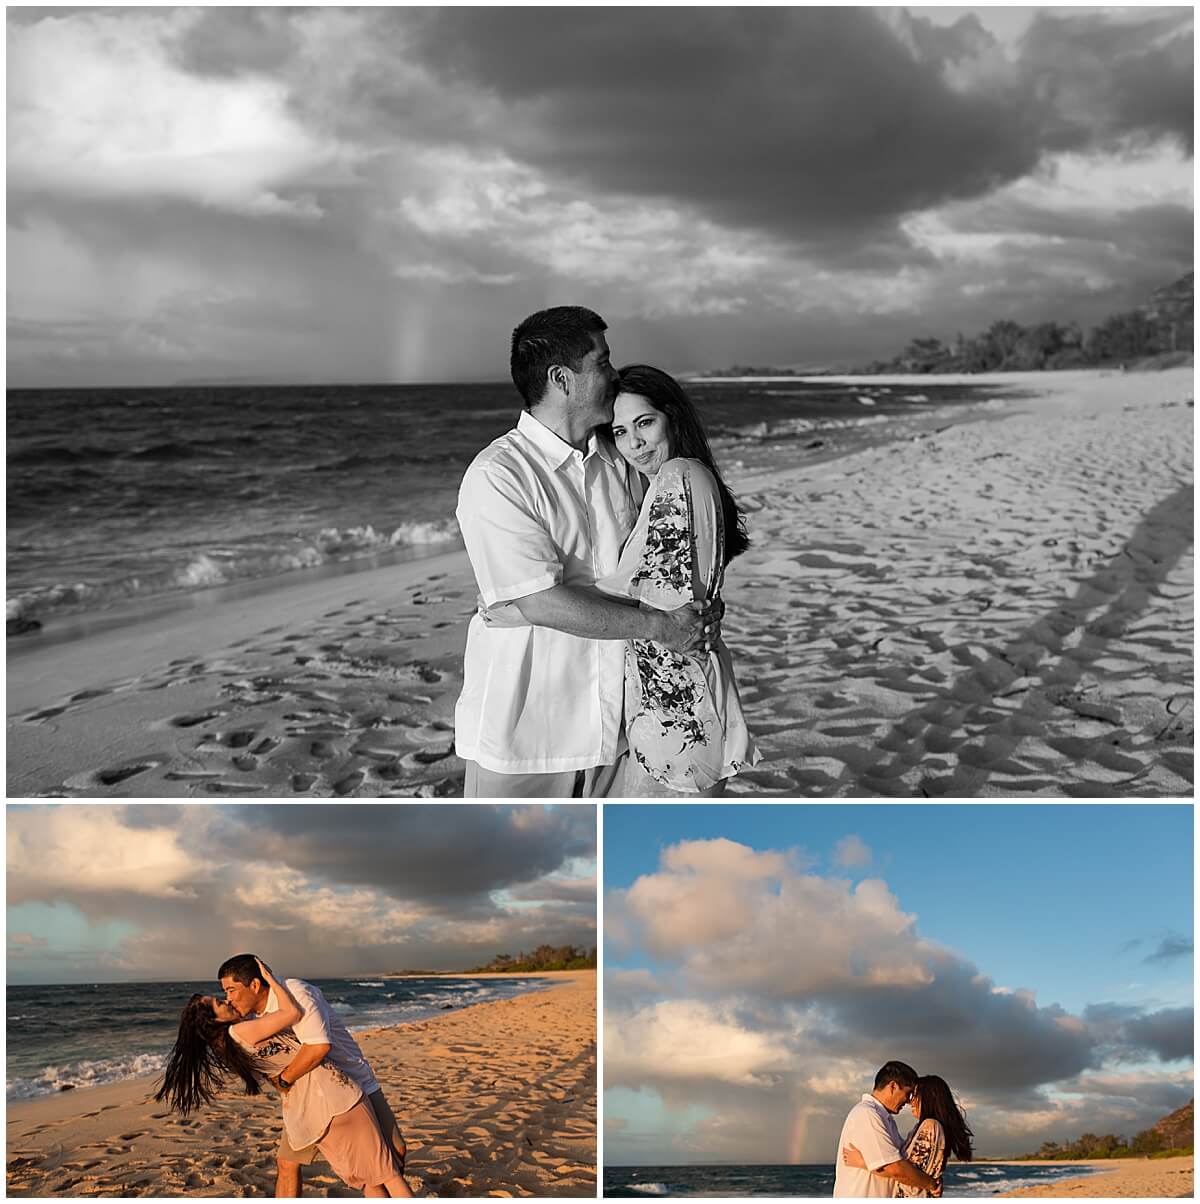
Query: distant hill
[{"x": 1176, "y": 1130}]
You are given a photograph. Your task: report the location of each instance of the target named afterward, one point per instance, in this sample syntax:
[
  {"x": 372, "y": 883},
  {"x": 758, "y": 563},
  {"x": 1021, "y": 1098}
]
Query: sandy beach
[
  {"x": 998, "y": 606},
  {"x": 1139, "y": 1178},
  {"x": 494, "y": 1100}
]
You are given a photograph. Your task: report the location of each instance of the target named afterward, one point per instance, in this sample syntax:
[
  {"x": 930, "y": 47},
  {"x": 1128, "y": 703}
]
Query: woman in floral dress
[
  {"x": 941, "y": 1130},
  {"x": 683, "y": 717}
]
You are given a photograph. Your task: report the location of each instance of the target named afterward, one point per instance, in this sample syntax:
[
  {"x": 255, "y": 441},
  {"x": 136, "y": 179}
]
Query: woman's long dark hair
[
  {"x": 688, "y": 439},
  {"x": 203, "y": 1056},
  {"x": 938, "y": 1102}
]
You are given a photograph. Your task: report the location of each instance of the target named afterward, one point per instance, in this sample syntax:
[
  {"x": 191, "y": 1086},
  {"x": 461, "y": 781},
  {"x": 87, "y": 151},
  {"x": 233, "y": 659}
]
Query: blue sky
[
  {"x": 330, "y": 888},
  {"x": 1060, "y": 933},
  {"x": 339, "y": 193}
]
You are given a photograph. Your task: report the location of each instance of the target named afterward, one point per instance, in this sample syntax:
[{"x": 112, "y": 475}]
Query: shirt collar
[{"x": 557, "y": 451}]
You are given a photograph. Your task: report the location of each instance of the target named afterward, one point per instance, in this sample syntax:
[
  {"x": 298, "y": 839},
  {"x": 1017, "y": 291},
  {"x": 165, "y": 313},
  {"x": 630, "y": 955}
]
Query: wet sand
[
  {"x": 498, "y": 1099},
  {"x": 997, "y": 607}
]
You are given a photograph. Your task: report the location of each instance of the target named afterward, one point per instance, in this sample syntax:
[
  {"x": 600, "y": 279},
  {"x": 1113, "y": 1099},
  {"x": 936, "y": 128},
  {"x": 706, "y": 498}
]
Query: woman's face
[
  {"x": 641, "y": 433},
  {"x": 915, "y": 1104},
  {"x": 224, "y": 1012}
]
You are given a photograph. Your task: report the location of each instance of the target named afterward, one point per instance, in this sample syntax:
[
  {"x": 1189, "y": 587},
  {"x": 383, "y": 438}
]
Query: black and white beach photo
[{"x": 921, "y": 276}]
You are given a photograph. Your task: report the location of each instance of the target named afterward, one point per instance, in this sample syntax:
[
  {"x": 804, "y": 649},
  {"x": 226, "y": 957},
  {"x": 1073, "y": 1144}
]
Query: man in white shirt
[
  {"x": 323, "y": 1037},
  {"x": 871, "y": 1128},
  {"x": 544, "y": 511}
]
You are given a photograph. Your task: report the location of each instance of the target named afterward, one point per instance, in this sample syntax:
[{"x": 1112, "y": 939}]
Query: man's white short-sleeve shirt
[
  {"x": 536, "y": 512},
  {"x": 319, "y": 1026},
  {"x": 872, "y": 1128}
]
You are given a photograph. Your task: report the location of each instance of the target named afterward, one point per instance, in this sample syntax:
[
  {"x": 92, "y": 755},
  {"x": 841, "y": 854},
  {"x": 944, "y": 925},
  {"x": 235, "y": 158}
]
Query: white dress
[{"x": 683, "y": 717}]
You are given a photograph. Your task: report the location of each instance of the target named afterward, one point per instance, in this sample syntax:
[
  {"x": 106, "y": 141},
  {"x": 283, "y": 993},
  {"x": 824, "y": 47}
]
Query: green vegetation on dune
[
  {"x": 544, "y": 957},
  {"x": 1170, "y": 1137}
]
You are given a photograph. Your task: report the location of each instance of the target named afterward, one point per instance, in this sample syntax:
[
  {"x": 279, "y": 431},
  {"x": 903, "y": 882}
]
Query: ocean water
[
  {"x": 62, "y": 1037},
  {"x": 961, "y": 1179},
  {"x": 121, "y": 494}
]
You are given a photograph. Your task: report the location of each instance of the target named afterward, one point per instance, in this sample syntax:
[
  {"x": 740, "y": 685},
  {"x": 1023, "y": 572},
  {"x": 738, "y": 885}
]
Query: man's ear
[
  {"x": 257, "y": 984},
  {"x": 558, "y": 376}
]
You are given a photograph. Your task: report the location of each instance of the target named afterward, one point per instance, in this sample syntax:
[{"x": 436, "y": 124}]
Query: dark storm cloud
[
  {"x": 1168, "y": 1034},
  {"x": 960, "y": 1025},
  {"x": 226, "y": 42},
  {"x": 803, "y": 121},
  {"x": 1170, "y": 949},
  {"x": 1106, "y": 80},
  {"x": 432, "y": 853},
  {"x": 791, "y": 120}
]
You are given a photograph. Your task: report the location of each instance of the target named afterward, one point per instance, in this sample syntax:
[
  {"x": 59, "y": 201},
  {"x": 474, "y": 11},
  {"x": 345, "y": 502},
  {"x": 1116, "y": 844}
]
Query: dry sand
[
  {"x": 494, "y": 1100},
  {"x": 996, "y": 607},
  {"x": 1141, "y": 1178}
]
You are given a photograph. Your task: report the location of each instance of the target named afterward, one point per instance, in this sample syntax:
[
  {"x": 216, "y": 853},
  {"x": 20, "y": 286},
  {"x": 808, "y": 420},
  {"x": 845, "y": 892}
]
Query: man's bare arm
[
  {"x": 578, "y": 612},
  {"x": 905, "y": 1172},
  {"x": 307, "y": 1058}
]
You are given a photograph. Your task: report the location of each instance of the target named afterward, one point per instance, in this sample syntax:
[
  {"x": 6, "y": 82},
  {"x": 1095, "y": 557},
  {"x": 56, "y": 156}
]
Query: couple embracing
[
  {"x": 598, "y": 530},
  {"x": 282, "y": 1034},
  {"x": 875, "y": 1161}
]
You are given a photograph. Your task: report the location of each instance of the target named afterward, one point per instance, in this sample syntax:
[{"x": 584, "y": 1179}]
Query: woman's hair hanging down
[
  {"x": 937, "y": 1101},
  {"x": 688, "y": 439},
  {"x": 203, "y": 1057}
]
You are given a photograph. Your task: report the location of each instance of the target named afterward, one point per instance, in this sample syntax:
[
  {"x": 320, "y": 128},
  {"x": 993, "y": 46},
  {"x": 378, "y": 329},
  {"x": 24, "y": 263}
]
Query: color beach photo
[
  {"x": 868, "y": 1000},
  {"x": 326, "y": 999},
  {"x": 308, "y": 496}
]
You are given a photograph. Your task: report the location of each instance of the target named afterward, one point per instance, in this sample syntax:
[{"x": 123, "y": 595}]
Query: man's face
[
  {"x": 896, "y": 1097},
  {"x": 595, "y": 384},
  {"x": 242, "y": 997}
]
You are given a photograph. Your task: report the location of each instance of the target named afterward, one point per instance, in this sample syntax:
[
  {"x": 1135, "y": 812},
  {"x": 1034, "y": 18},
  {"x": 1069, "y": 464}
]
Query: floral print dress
[
  {"x": 683, "y": 716},
  {"x": 925, "y": 1148}
]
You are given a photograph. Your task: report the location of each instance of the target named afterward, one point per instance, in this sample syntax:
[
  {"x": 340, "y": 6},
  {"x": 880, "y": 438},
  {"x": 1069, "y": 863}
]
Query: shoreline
[
  {"x": 555, "y": 976},
  {"x": 472, "y": 1089},
  {"x": 997, "y": 604},
  {"x": 75, "y": 623}
]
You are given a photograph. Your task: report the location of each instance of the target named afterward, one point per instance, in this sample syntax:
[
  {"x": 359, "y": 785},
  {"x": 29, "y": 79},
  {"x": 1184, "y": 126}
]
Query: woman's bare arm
[{"x": 251, "y": 1032}]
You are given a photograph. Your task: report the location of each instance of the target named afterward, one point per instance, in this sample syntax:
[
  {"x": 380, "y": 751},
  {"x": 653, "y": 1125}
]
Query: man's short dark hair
[
  {"x": 562, "y": 335},
  {"x": 241, "y": 967},
  {"x": 899, "y": 1073}
]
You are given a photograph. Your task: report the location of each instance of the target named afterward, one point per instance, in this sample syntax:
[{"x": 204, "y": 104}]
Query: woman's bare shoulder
[{"x": 697, "y": 474}]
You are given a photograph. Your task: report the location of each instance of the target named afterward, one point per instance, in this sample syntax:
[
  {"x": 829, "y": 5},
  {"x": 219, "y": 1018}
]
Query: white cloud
[
  {"x": 736, "y": 918},
  {"x": 96, "y": 107},
  {"x": 684, "y": 1040},
  {"x": 91, "y": 850},
  {"x": 852, "y": 851}
]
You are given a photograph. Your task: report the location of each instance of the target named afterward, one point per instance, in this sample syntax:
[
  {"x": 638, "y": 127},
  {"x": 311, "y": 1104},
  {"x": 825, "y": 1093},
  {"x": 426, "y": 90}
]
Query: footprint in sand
[
  {"x": 193, "y": 720},
  {"x": 119, "y": 773}
]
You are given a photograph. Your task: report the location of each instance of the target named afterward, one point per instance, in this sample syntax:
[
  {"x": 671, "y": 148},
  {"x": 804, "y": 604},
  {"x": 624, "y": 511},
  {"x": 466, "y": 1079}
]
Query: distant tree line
[
  {"x": 1163, "y": 326},
  {"x": 544, "y": 957},
  {"x": 1148, "y": 1142}
]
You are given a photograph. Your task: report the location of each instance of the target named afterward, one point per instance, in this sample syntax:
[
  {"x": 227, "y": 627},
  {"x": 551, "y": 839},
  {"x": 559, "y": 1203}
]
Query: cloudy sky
[
  {"x": 762, "y": 962},
  {"x": 135, "y": 892},
  {"x": 337, "y": 194}
]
